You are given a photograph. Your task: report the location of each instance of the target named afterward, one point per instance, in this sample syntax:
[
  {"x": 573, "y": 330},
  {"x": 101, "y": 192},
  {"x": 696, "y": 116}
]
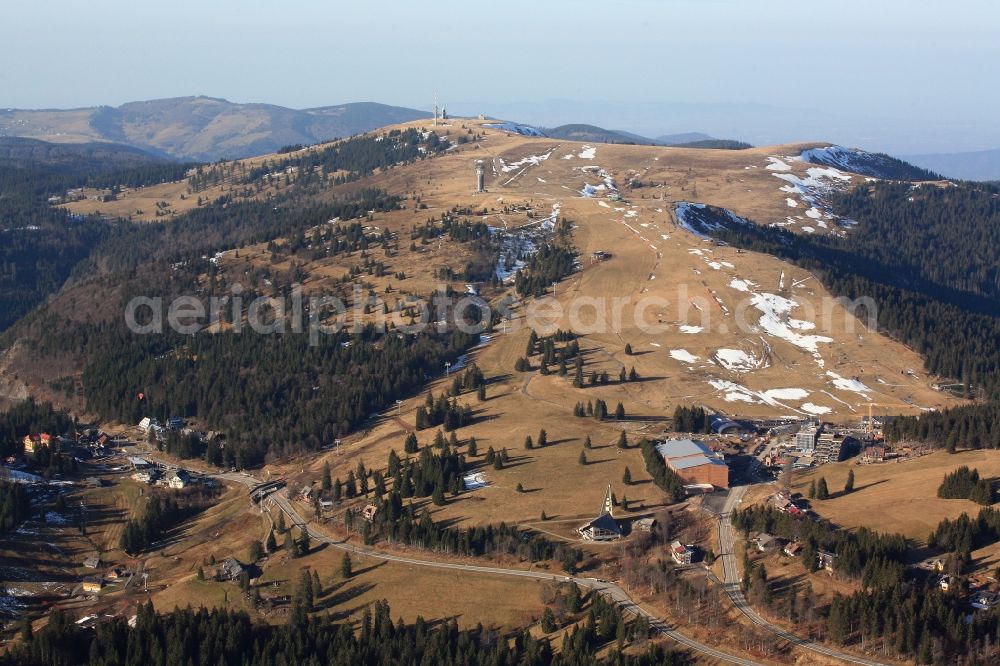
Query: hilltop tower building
[{"x": 480, "y": 176}]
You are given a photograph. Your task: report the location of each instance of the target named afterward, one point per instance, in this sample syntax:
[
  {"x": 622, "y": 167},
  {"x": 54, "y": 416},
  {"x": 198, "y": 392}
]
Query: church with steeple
[{"x": 604, "y": 527}]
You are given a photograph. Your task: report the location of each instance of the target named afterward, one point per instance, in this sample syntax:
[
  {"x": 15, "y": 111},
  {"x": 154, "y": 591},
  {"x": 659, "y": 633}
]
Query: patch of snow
[
  {"x": 792, "y": 203},
  {"x": 815, "y": 409},
  {"x": 787, "y": 394},
  {"x": 683, "y": 355},
  {"x": 845, "y": 384},
  {"x": 740, "y": 285},
  {"x": 774, "y": 321},
  {"x": 777, "y": 164},
  {"x": 736, "y": 360},
  {"x": 475, "y": 481},
  {"x": 531, "y": 160},
  {"x": 690, "y": 330},
  {"x": 587, "y": 153}
]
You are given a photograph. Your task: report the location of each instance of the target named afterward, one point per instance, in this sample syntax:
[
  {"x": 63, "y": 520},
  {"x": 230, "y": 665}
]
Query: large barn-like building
[{"x": 695, "y": 462}]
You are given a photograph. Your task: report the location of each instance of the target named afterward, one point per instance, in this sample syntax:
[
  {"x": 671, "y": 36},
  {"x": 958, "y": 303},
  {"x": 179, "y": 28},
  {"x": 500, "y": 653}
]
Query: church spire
[{"x": 608, "y": 507}]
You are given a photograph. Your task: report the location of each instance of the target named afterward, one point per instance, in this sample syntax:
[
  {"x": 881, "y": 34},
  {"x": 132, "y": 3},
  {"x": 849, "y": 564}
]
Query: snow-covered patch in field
[
  {"x": 531, "y": 160},
  {"x": 775, "y": 322},
  {"x": 604, "y": 204},
  {"x": 690, "y": 330},
  {"x": 818, "y": 180},
  {"x": 741, "y": 285},
  {"x": 587, "y": 153},
  {"x": 608, "y": 183},
  {"x": 53, "y": 518},
  {"x": 777, "y": 164},
  {"x": 787, "y": 394},
  {"x": 812, "y": 191},
  {"x": 683, "y": 355},
  {"x": 714, "y": 265},
  {"x": 845, "y": 384},
  {"x": 736, "y": 360},
  {"x": 733, "y": 392},
  {"x": 475, "y": 481},
  {"x": 809, "y": 230},
  {"x": 815, "y": 409},
  {"x": 516, "y": 128}
]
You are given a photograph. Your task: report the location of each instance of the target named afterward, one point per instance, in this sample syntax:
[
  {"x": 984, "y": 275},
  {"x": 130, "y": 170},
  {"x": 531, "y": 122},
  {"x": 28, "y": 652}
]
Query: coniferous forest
[
  {"x": 930, "y": 265},
  {"x": 230, "y": 638}
]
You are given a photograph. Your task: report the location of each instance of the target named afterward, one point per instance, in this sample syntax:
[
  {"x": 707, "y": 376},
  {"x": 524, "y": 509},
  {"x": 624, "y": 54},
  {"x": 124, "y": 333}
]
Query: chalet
[
  {"x": 178, "y": 479},
  {"x": 368, "y": 513},
  {"x": 115, "y": 573},
  {"x": 92, "y": 562},
  {"x": 175, "y": 423},
  {"x": 92, "y": 585},
  {"x": 944, "y": 582},
  {"x": 680, "y": 553},
  {"x": 604, "y": 527},
  {"x": 873, "y": 454},
  {"x": 32, "y": 443},
  {"x": 826, "y": 559},
  {"x": 230, "y": 569},
  {"x": 793, "y": 549},
  {"x": 326, "y": 504},
  {"x": 765, "y": 542}
]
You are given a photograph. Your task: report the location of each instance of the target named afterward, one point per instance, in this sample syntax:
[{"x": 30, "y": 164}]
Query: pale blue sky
[{"x": 907, "y": 64}]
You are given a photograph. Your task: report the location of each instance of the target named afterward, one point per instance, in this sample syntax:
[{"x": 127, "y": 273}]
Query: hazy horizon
[{"x": 907, "y": 77}]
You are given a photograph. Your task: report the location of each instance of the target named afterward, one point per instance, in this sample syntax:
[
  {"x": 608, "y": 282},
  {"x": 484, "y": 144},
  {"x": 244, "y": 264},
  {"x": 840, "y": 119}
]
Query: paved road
[
  {"x": 732, "y": 587},
  {"x": 609, "y": 590}
]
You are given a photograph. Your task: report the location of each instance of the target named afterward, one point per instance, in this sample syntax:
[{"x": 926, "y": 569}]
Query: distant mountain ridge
[
  {"x": 975, "y": 165},
  {"x": 202, "y": 128},
  {"x": 583, "y": 132}
]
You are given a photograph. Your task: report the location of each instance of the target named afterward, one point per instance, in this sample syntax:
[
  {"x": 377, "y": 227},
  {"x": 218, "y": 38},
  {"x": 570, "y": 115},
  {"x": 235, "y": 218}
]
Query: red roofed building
[{"x": 34, "y": 442}]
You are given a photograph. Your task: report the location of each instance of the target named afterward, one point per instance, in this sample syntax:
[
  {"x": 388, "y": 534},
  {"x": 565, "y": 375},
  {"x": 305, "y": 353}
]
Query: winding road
[
  {"x": 731, "y": 585},
  {"x": 609, "y": 590}
]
